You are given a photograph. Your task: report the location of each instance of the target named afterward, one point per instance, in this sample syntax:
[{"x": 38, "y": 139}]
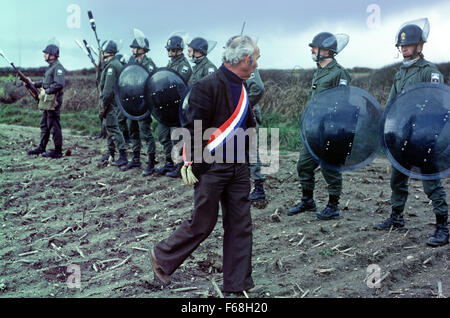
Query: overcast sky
[{"x": 283, "y": 28}]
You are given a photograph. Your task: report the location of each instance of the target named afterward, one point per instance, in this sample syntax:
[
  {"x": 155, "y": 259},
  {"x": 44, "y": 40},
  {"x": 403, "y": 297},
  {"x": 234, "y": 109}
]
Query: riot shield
[
  {"x": 415, "y": 131},
  {"x": 130, "y": 92},
  {"x": 339, "y": 128},
  {"x": 166, "y": 90}
]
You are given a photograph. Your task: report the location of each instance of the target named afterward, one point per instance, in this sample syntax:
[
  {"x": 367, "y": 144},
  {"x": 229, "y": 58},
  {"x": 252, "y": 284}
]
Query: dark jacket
[
  {"x": 211, "y": 102},
  {"x": 54, "y": 81}
]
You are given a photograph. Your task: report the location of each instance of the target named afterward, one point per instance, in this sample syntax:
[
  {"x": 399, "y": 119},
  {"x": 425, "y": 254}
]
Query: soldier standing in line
[
  {"x": 178, "y": 63},
  {"x": 255, "y": 93},
  {"x": 329, "y": 74},
  {"x": 108, "y": 108},
  {"x": 141, "y": 130},
  {"x": 52, "y": 90},
  {"x": 415, "y": 69}
]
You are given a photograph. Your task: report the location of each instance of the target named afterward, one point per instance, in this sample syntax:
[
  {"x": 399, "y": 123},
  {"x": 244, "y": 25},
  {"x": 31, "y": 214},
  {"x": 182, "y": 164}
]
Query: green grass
[
  {"x": 289, "y": 132},
  {"x": 84, "y": 122}
]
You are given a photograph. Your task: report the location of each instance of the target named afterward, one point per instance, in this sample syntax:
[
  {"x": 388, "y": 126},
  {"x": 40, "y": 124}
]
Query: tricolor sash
[{"x": 228, "y": 129}]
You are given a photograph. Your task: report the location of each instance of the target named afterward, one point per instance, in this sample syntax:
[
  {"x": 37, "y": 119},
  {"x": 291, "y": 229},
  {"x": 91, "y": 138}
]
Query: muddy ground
[{"x": 74, "y": 211}]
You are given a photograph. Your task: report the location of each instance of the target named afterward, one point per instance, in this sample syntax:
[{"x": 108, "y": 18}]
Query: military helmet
[
  {"x": 326, "y": 41},
  {"x": 145, "y": 46},
  {"x": 110, "y": 47},
  {"x": 51, "y": 49},
  {"x": 175, "y": 42},
  {"x": 409, "y": 34},
  {"x": 199, "y": 44}
]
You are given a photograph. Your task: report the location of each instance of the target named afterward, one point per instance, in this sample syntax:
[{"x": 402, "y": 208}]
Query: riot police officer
[
  {"x": 51, "y": 89},
  {"x": 178, "y": 63},
  {"x": 108, "y": 108},
  {"x": 198, "y": 50},
  {"x": 141, "y": 130},
  {"x": 415, "y": 69},
  {"x": 255, "y": 92},
  {"x": 329, "y": 74}
]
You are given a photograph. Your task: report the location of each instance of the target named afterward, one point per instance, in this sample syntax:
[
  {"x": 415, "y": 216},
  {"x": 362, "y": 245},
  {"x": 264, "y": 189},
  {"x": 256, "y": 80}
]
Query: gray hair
[{"x": 236, "y": 48}]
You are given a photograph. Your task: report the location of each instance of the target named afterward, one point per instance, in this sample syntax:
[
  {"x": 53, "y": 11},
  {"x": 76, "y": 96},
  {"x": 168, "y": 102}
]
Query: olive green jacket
[
  {"x": 108, "y": 80},
  {"x": 200, "y": 70},
  {"x": 332, "y": 75},
  {"x": 181, "y": 65},
  {"x": 54, "y": 80},
  {"x": 420, "y": 71}
]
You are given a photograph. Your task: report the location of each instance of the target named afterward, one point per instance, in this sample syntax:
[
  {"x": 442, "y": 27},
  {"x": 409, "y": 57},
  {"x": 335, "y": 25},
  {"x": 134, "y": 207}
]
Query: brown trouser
[{"x": 228, "y": 184}]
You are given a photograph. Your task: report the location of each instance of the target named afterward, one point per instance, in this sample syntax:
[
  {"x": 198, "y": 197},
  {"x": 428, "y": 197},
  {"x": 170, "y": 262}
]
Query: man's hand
[{"x": 102, "y": 113}]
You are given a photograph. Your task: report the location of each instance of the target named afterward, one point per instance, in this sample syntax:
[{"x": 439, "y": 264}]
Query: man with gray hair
[{"x": 217, "y": 100}]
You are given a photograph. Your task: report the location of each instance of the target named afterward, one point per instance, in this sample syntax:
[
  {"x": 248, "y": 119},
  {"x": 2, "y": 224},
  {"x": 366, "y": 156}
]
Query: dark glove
[{"x": 102, "y": 113}]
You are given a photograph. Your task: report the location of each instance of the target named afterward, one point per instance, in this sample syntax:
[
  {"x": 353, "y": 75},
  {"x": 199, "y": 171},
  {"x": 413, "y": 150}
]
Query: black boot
[
  {"x": 109, "y": 154},
  {"x": 395, "y": 221},
  {"x": 441, "y": 235},
  {"x": 168, "y": 166},
  {"x": 258, "y": 192},
  {"x": 123, "y": 160},
  {"x": 307, "y": 204},
  {"x": 150, "y": 166},
  {"x": 36, "y": 151},
  {"x": 54, "y": 154},
  {"x": 331, "y": 211},
  {"x": 134, "y": 162},
  {"x": 176, "y": 172}
]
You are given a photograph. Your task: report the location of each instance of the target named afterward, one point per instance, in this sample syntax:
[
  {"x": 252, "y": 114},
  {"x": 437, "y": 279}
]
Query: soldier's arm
[
  {"x": 185, "y": 72},
  {"x": 343, "y": 78},
  {"x": 392, "y": 93},
  {"x": 255, "y": 89},
  {"x": 432, "y": 75},
  {"x": 107, "y": 95},
  {"x": 58, "y": 81}
]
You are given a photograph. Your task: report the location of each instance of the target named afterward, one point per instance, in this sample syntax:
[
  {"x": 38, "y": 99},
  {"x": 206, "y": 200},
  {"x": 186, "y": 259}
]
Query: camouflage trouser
[
  {"x": 305, "y": 169},
  {"x": 114, "y": 135},
  {"x": 255, "y": 168},
  {"x": 51, "y": 124},
  {"x": 164, "y": 133},
  {"x": 141, "y": 131},
  {"x": 123, "y": 124},
  {"x": 432, "y": 188}
]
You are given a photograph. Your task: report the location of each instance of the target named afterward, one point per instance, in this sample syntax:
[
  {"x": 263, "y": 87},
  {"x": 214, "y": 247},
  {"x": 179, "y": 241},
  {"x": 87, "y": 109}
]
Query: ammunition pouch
[{"x": 47, "y": 101}]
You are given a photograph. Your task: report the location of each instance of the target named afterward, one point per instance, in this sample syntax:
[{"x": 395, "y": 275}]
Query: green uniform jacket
[
  {"x": 54, "y": 79},
  {"x": 327, "y": 77},
  {"x": 420, "y": 71},
  {"x": 147, "y": 62},
  {"x": 255, "y": 88},
  {"x": 108, "y": 81},
  {"x": 181, "y": 65},
  {"x": 200, "y": 70}
]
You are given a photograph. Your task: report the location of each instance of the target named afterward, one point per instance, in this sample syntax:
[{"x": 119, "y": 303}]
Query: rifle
[
  {"x": 29, "y": 86},
  {"x": 100, "y": 53},
  {"x": 87, "y": 51}
]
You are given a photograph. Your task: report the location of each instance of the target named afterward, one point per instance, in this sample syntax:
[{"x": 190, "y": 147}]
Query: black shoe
[
  {"x": 150, "y": 166},
  {"x": 36, "y": 151},
  {"x": 168, "y": 166},
  {"x": 122, "y": 159},
  {"x": 106, "y": 157},
  {"x": 307, "y": 204},
  {"x": 176, "y": 172},
  {"x": 135, "y": 162},
  {"x": 395, "y": 221},
  {"x": 258, "y": 192},
  {"x": 441, "y": 235}
]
